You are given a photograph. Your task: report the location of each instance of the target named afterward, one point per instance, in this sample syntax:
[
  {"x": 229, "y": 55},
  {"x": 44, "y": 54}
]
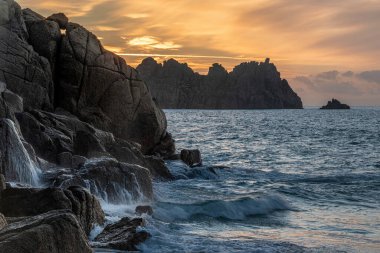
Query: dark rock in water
[
  {"x": 78, "y": 161},
  {"x": 250, "y": 85},
  {"x": 16, "y": 164},
  {"x": 108, "y": 179},
  {"x": 335, "y": 104},
  {"x": 122, "y": 235},
  {"x": 60, "y": 18},
  {"x": 26, "y": 72},
  {"x": 191, "y": 157},
  {"x": 3, "y": 221},
  {"x": 55, "y": 231},
  {"x": 144, "y": 209},
  {"x": 166, "y": 147},
  {"x": 18, "y": 202}
]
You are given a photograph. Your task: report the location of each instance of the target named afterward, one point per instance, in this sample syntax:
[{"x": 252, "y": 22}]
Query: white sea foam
[{"x": 238, "y": 209}]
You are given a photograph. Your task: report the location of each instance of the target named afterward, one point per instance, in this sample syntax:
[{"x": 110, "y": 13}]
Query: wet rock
[
  {"x": 16, "y": 164},
  {"x": 65, "y": 159},
  {"x": 10, "y": 103},
  {"x": 60, "y": 18},
  {"x": 52, "y": 134},
  {"x": 191, "y": 157},
  {"x": 78, "y": 161},
  {"x": 144, "y": 209},
  {"x": 19, "y": 202},
  {"x": 122, "y": 235},
  {"x": 3, "y": 221},
  {"x": 108, "y": 179},
  {"x": 55, "y": 231},
  {"x": 250, "y": 85},
  {"x": 26, "y": 73},
  {"x": 2, "y": 183},
  {"x": 335, "y": 104}
]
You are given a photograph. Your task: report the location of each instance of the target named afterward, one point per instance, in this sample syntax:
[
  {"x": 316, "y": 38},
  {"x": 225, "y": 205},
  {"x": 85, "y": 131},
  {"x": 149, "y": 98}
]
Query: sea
[{"x": 271, "y": 181}]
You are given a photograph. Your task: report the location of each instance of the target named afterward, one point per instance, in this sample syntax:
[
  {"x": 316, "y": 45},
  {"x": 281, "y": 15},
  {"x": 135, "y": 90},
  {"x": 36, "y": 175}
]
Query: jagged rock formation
[
  {"x": 72, "y": 116},
  {"x": 250, "y": 85},
  {"x": 73, "y": 71},
  {"x": 55, "y": 231},
  {"x": 20, "y": 202},
  {"x": 122, "y": 235},
  {"x": 335, "y": 104}
]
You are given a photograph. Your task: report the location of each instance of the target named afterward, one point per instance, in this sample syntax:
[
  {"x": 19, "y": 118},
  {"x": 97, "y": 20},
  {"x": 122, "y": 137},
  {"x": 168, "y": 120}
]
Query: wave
[{"x": 238, "y": 209}]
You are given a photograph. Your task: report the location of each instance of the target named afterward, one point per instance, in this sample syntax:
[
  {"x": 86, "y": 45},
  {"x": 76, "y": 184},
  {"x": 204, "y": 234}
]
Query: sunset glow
[{"x": 303, "y": 38}]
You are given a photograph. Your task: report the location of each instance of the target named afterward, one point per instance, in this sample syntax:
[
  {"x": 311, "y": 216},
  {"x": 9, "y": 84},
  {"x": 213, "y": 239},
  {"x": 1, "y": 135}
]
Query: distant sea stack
[
  {"x": 335, "y": 104},
  {"x": 250, "y": 85}
]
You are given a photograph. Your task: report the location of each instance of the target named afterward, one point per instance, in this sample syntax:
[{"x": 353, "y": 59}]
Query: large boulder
[
  {"x": 44, "y": 36},
  {"x": 51, "y": 232},
  {"x": 191, "y": 157},
  {"x": 60, "y": 18},
  {"x": 103, "y": 90},
  {"x": 18, "y": 202},
  {"x": 16, "y": 163},
  {"x": 25, "y": 71},
  {"x": 113, "y": 181},
  {"x": 122, "y": 235}
]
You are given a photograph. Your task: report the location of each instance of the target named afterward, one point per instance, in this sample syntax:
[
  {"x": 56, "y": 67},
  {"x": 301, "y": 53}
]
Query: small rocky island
[
  {"x": 335, "y": 104},
  {"x": 250, "y": 85}
]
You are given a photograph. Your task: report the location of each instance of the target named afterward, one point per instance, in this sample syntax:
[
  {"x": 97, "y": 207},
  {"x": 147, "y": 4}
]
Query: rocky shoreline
[{"x": 78, "y": 127}]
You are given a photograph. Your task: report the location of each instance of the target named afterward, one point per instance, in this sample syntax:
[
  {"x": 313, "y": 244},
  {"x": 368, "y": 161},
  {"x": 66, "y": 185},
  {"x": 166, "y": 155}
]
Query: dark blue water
[{"x": 285, "y": 181}]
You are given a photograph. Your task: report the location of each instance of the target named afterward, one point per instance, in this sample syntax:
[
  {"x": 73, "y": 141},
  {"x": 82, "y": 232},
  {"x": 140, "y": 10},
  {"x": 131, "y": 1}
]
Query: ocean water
[{"x": 271, "y": 181}]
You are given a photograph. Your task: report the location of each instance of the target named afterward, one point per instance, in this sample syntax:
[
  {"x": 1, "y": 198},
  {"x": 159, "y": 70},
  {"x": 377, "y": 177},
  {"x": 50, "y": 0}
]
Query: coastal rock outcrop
[
  {"x": 335, "y": 104},
  {"x": 55, "y": 231},
  {"x": 76, "y": 125},
  {"x": 122, "y": 235},
  {"x": 191, "y": 157},
  {"x": 113, "y": 181},
  {"x": 250, "y": 85},
  {"x": 19, "y": 202}
]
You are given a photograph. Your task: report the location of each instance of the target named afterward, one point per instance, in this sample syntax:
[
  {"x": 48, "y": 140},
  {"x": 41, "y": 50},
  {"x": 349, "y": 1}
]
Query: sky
[{"x": 325, "y": 48}]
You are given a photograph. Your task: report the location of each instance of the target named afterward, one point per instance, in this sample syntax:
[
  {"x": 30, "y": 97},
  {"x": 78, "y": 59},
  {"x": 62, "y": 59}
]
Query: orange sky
[{"x": 302, "y": 37}]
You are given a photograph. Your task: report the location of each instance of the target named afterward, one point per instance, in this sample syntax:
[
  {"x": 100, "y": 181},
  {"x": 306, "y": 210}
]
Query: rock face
[
  {"x": 72, "y": 116},
  {"x": 24, "y": 71},
  {"x": 122, "y": 235},
  {"x": 18, "y": 202},
  {"x": 108, "y": 179},
  {"x": 102, "y": 89},
  {"x": 55, "y": 231},
  {"x": 191, "y": 157},
  {"x": 335, "y": 104},
  {"x": 73, "y": 71},
  {"x": 15, "y": 162},
  {"x": 250, "y": 85}
]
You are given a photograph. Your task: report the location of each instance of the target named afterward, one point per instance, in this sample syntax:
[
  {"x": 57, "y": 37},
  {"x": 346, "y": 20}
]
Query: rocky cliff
[
  {"x": 250, "y": 85},
  {"x": 77, "y": 126}
]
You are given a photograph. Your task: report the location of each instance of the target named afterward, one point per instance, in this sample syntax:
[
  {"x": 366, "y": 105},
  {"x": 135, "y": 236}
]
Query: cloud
[
  {"x": 153, "y": 42},
  {"x": 370, "y": 76},
  {"x": 355, "y": 88}
]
